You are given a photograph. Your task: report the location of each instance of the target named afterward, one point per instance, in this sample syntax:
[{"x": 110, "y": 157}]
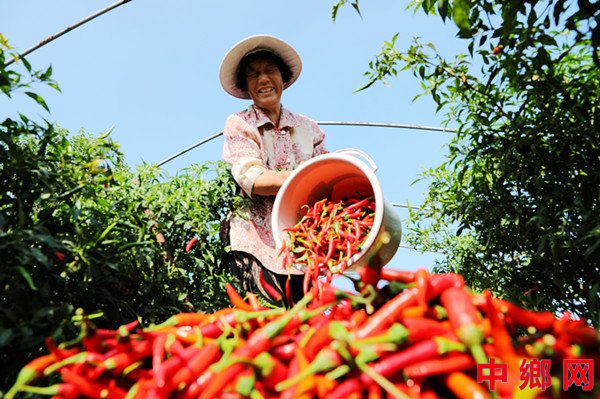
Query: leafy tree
[
  {"x": 516, "y": 204},
  {"x": 80, "y": 230}
]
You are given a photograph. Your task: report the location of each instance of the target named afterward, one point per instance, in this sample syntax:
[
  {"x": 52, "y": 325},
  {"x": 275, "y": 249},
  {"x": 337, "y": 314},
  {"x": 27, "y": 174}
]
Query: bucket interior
[{"x": 333, "y": 178}]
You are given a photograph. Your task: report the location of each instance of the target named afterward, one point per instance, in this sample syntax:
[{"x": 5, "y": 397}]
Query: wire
[
  {"x": 67, "y": 29},
  {"x": 340, "y": 123},
  {"x": 421, "y": 250}
]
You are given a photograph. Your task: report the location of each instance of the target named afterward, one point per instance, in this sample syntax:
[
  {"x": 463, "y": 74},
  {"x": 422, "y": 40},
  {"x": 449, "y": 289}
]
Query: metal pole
[
  {"x": 206, "y": 140},
  {"x": 67, "y": 29},
  {"x": 424, "y": 250},
  {"x": 395, "y": 125},
  {"x": 395, "y": 204}
]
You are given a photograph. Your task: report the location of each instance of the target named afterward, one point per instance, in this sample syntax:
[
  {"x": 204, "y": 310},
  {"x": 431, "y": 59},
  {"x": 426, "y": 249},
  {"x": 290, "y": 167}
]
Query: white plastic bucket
[{"x": 334, "y": 176}]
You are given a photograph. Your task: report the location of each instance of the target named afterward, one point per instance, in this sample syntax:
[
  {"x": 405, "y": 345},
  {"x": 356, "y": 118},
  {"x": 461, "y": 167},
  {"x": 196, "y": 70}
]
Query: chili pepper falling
[{"x": 328, "y": 235}]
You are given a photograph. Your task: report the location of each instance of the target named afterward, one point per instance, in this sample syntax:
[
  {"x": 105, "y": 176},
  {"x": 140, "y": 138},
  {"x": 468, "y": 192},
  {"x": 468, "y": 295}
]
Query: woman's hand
[{"x": 269, "y": 182}]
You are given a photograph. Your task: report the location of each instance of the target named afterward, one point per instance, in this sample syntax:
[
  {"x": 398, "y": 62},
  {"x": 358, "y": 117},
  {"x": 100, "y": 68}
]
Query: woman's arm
[
  {"x": 242, "y": 151},
  {"x": 269, "y": 182}
]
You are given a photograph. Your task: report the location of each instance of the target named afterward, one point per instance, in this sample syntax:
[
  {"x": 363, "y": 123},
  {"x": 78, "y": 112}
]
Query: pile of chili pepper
[
  {"x": 419, "y": 335},
  {"x": 326, "y": 237}
]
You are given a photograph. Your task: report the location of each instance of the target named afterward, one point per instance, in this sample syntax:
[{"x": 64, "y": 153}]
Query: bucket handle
[{"x": 355, "y": 151}]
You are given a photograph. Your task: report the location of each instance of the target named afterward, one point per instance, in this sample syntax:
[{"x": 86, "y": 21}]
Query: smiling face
[{"x": 264, "y": 84}]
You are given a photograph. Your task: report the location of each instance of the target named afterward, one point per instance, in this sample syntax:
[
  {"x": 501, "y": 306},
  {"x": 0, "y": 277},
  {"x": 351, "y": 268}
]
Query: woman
[{"x": 263, "y": 144}]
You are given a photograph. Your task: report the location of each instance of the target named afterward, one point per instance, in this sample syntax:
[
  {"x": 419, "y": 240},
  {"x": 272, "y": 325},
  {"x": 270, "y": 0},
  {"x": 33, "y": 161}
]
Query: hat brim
[{"x": 230, "y": 64}]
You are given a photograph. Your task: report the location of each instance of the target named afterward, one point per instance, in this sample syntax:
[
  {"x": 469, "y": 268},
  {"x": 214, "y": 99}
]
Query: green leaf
[
  {"x": 460, "y": 13},
  {"x": 335, "y": 9},
  {"x": 38, "y": 99},
  {"x": 26, "y": 64},
  {"x": 5, "y": 337},
  {"x": 356, "y": 7},
  {"x": 442, "y": 6}
]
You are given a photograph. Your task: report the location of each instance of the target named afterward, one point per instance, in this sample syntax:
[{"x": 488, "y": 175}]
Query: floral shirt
[{"x": 252, "y": 145}]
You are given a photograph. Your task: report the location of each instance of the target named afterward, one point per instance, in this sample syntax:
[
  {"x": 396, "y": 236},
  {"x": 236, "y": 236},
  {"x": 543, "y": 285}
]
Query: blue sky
[{"x": 150, "y": 69}]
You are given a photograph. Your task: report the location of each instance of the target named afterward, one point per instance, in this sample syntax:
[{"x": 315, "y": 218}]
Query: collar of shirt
[{"x": 258, "y": 118}]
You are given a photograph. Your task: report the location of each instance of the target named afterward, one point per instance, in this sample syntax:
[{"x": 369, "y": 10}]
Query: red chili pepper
[
  {"x": 346, "y": 388},
  {"x": 500, "y": 335},
  {"x": 542, "y": 321},
  {"x": 579, "y": 333},
  {"x": 349, "y": 238},
  {"x": 98, "y": 338},
  {"x": 182, "y": 319},
  {"x": 357, "y": 230},
  {"x": 423, "y": 328},
  {"x": 284, "y": 352},
  {"x": 465, "y": 387},
  {"x": 465, "y": 320},
  {"x": 194, "y": 390},
  {"x": 306, "y": 282},
  {"x": 427, "y": 368},
  {"x": 374, "y": 392},
  {"x": 191, "y": 244},
  {"x": 401, "y": 276},
  {"x": 185, "y": 334},
  {"x": 31, "y": 372},
  {"x": 354, "y": 203},
  {"x": 438, "y": 283},
  {"x": 324, "y": 385},
  {"x": 158, "y": 350},
  {"x": 414, "y": 312},
  {"x": 288, "y": 292},
  {"x": 429, "y": 394},
  {"x": 236, "y": 299},
  {"x": 272, "y": 291},
  {"x": 216, "y": 327},
  {"x": 387, "y": 314},
  {"x": 92, "y": 389},
  {"x": 498, "y": 49},
  {"x": 119, "y": 361},
  {"x": 369, "y": 274},
  {"x": 293, "y": 369},
  {"x": 231, "y": 395},
  {"x": 57, "y": 391},
  {"x": 424, "y": 350},
  {"x": 422, "y": 280},
  {"x": 318, "y": 341},
  {"x": 80, "y": 358},
  {"x": 254, "y": 302},
  {"x": 196, "y": 365},
  {"x": 60, "y": 353}
]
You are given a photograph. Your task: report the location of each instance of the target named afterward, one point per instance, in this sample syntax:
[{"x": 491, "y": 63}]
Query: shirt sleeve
[
  {"x": 319, "y": 139},
  {"x": 242, "y": 150}
]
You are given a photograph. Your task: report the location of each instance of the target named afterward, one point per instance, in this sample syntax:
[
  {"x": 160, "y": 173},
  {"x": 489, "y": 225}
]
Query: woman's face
[{"x": 264, "y": 83}]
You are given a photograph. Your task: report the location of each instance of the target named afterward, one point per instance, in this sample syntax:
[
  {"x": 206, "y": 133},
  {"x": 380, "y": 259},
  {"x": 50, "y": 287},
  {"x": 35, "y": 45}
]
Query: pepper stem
[
  {"x": 478, "y": 354},
  {"x": 323, "y": 362},
  {"x": 48, "y": 391},
  {"x": 382, "y": 381}
]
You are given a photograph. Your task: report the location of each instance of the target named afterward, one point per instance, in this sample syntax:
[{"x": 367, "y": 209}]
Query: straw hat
[{"x": 231, "y": 62}]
